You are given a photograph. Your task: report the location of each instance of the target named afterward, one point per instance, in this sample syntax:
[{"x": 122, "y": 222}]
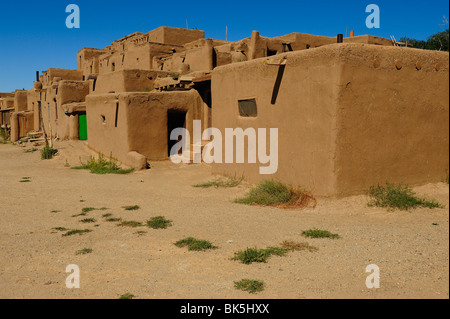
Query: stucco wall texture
[{"x": 349, "y": 116}]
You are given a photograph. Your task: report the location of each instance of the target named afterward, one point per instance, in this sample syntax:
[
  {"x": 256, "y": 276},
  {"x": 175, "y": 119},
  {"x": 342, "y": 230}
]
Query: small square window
[{"x": 247, "y": 108}]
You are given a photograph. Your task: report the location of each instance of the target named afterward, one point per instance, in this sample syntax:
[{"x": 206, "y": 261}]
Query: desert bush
[
  {"x": 399, "y": 197},
  {"x": 103, "y": 166}
]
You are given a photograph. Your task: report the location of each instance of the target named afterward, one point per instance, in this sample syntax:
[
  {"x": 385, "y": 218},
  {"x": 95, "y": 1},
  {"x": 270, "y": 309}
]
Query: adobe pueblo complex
[{"x": 350, "y": 112}]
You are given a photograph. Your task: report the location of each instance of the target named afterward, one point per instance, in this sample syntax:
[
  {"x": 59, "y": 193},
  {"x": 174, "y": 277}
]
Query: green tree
[{"x": 437, "y": 42}]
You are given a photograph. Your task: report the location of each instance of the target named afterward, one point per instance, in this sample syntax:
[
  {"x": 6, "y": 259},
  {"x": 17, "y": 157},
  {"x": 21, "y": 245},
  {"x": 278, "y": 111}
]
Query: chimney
[
  {"x": 340, "y": 38},
  {"x": 352, "y": 34},
  {"x": 37, "y": 76}
]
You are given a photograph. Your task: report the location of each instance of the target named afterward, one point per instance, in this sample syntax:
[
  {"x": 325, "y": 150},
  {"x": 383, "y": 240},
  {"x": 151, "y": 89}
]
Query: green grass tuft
[
  {"x": 131, "y": 223},
  {"x": 271, "y": 193},
  {"x": 398, "y": 197},
  {"x": 254, "y": 255},
  {"x": 88, "y": 209},
  {"x": 195, "y": 244},
  {"x": 159, "y": 222},
  {"x": 113, "y": 220},
  {"x": 84, "y": 251},
  {"x": 88, "y": 220},
  {"x": 318, "y": 233},
  {"x": 48, "y": 152},
  {"x": 268, "y": 193},
  {"x": 135, "y": 207},
  {"x": 127, "y": 296},
  {"x": 103, "y": 166},
  {"x": 250, "y": 286},
  {"x": 77, "y": 232},
  {"x": 221, "y": 183}
]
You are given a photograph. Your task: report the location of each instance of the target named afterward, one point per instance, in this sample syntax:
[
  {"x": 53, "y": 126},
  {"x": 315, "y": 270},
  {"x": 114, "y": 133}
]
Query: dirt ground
[{"x": 410, "y": 248}]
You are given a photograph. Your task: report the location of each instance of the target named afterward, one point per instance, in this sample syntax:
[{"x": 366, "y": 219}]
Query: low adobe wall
[
  {"x": 393, "y": 117},
  {"x": 126, "y": 81},
  {"x": 137, "y": 122},
  {"x": 349, "y": 116}
]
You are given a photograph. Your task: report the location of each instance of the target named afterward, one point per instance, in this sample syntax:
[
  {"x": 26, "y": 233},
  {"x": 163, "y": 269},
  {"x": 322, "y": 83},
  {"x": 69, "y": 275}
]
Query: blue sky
[{"x": 34, "y": 37}]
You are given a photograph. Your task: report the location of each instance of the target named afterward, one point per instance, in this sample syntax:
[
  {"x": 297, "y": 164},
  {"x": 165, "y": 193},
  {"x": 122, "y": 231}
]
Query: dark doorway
[{"x": 175, "y": 119}]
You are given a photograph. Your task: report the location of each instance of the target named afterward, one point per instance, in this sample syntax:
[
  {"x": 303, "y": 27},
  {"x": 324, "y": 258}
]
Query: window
[
  {"x": 247, "y": 108},
  {"x": 271, "y": 52}
]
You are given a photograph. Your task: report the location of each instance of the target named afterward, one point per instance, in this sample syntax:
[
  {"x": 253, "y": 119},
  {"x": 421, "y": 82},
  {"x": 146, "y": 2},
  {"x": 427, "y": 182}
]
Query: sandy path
[{"x": 412, "y": 253}]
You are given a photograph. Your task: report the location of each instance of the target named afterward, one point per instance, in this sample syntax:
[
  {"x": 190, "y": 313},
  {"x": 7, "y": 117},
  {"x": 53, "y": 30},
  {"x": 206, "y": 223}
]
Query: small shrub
[
  {"x": 398, "y": 197},
  {"x": 60, "y": 229},
  {"x": 254, "y": 255},
  {"x": 195, "y": 244},
  {"x": 113, "y": 220},
  {"x": 103, "y": 166},
  {"x": 127, "y": 296},
  {"x": 48, "y": 152},
  {"x": 107, "y": 215},
  {"x": 87, "y": 209},
  {"x": 317, "y": 233},
  {"x": 159, "y": 223},
  {"x": 270, "y": 193},
  {"x": 32, "y": 150},
  {"x": 55, "y": 211},
  {"x": 84, "y": 251},
  {"x": 250, "y": 286}
]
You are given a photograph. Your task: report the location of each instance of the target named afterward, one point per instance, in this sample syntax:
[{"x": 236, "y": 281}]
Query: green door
[{"x": 82, "y": 129}]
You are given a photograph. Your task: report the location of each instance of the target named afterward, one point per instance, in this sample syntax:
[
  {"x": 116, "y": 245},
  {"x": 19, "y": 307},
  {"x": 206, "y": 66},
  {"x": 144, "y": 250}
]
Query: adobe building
[
  {"x": 351, "y": 112},
  {"x": 349, "y": 116},
  {"x": 177, "y": 63},
  {"x": 6, "y": 108}
]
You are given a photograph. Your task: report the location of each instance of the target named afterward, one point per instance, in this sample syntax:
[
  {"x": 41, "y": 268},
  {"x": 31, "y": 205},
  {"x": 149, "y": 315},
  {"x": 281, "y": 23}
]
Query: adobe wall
[
  {"x": 5, "y": 95},
  {"x": 126, "y": 81},
  {"x": 88, "y": 60},
  {"x": 140, "y": 124},
  {"x": 304, "y": 113},
  {"x": 393, "y": 117},
  {"x": 347, "y": 117},
  {"x": 20, "y": 101},
  {"x": 6, "y": 103},
  {"x": 176, "y": 36},
  {"x": 369, "y": 39},
  {"x": 66, "y": 74}
]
